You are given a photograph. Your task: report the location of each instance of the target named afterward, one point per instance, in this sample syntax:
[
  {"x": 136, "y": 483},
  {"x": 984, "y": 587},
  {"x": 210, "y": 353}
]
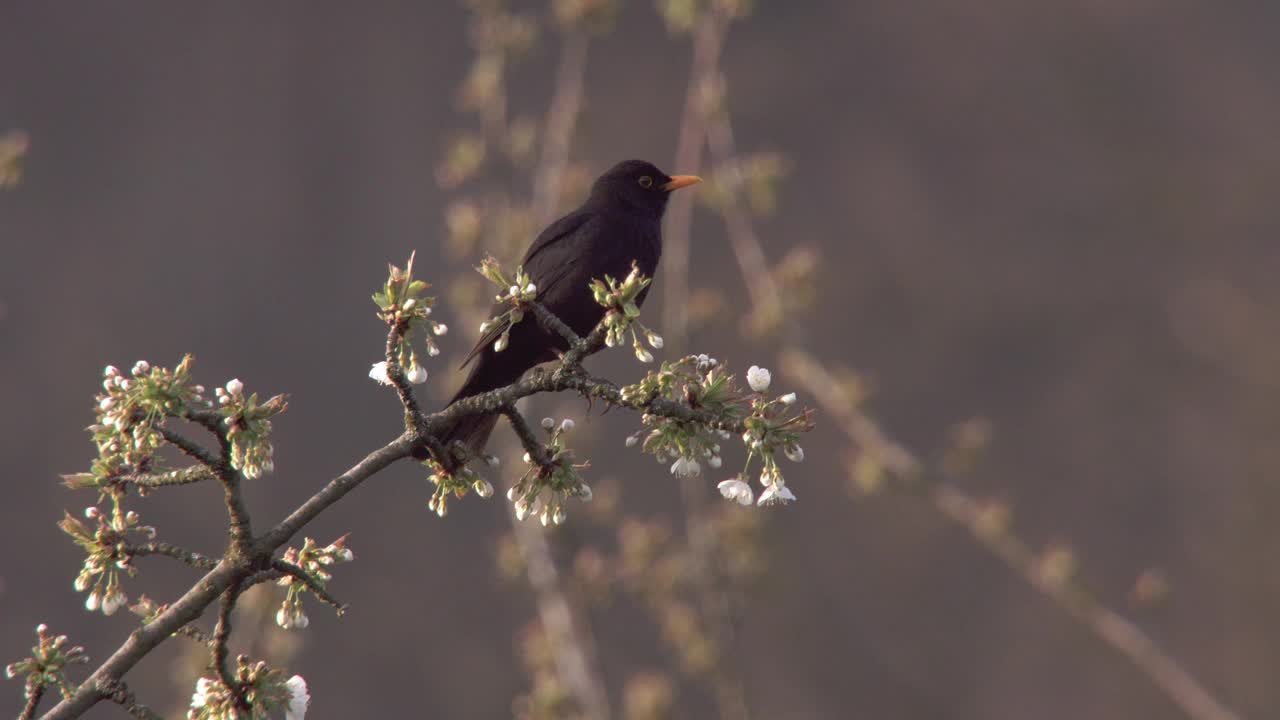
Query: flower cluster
[
  {"x": 772, "y": 425},
  {"x": 107, "y": 554},
  {"x": 46, "y": 665},
  {"x": 313, "y": 560},
  {"x": 402, "y": 305},
  {"x": 701, "y": 382},
  {"x": 129, "y": 409},
  {"x": 620, "y": 299},
  {"x": 516, "y": 293},
  {"x": 545, "y": 486},
  {"x": 264, "y": 689},
  {"x": 457, "y": 482},
  {"x": 248, "y": 423}
]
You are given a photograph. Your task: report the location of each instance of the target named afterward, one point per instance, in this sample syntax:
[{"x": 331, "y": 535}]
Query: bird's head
[{"x": 640, "y": 186}]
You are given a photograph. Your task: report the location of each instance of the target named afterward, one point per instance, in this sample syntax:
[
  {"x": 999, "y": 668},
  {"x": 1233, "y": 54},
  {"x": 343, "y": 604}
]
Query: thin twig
[
  {"x": 395, "y": 373},
  {"x": 191, "y": 448},
  {"x": 528, "y": 438},
  {"x": 183, "y": 476},
  {"x": 288, "y": 568},
  {"x": 120, "y": 694},
  {"x": 221, "y": 636},
  {"x": 34, "y": 696},
  {"x": 194, "y": 559}
]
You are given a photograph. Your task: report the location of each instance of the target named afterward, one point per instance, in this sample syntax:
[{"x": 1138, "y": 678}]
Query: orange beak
[{"x": 679, "y": 181}]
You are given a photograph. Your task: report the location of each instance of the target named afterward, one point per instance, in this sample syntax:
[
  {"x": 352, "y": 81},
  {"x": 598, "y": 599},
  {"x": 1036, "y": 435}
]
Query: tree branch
[
  {"x": 236, "y": 569},
  {"x": 191, "y": 448},
  {"x": 194, "y": 559},
  {"x": 34, "y": 696},
  {"x": 287, "y": 568},
  {"x": 221, "y": 636},
  {"x": 184, "y": 476},
  {"x": 528, "y": 438}
]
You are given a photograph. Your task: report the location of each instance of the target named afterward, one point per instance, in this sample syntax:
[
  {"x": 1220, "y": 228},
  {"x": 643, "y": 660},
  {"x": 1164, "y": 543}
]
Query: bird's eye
[{"x": 646, "y": 182}]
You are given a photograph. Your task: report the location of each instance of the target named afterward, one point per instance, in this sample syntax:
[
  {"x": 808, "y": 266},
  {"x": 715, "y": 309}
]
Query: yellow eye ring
[{"x": 646, "y": 182}]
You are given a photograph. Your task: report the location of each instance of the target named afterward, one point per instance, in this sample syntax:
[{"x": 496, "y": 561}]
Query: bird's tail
[{"x": 472, "y": 431}]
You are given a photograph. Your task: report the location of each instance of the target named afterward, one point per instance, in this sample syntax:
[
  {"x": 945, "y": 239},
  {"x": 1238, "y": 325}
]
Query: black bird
[{"x": 620, "y": 223}]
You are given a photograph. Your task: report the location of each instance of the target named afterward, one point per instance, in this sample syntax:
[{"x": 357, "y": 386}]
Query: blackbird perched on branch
[{"x": 619, "y": 224}]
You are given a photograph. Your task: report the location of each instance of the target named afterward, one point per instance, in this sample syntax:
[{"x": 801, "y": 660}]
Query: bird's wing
[{"x": 545, "y": 266}]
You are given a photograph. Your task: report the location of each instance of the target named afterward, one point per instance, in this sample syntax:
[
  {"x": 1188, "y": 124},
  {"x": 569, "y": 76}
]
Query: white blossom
[
  {"x": 632, "y": 440},
  {"x": 548, "y": 423},
  {"x": 441, "y": 328},
  {"x": 567, "y": 424},
  {"x": 686, "y": 467},
  {"x": 501, "y": 343},
  {"x": 788, "y": 399},
  {"x": 655, "y": 340},
  {"x": 483, "y": 488},
  {"x": 715, "y": 461},
  {"x": 643, "y": 355},
  {"x": 737, "y": 491},
  {"x": 758, "y": 378},
  {"x": 299, "y": 698},
  {"x": 530, "y": 289},
  {"x": 378, "y": 373},
  {"x": 113, "y": 602},
  {"x": 775, "y": 494},
  {"x": 201, "y": 696},
  {"x": 235, "y": 387},
  {"x": 794, "y": 453},
  {"x": 93, "y": 602},
  {"x": 141, "y": 367},
  {"x": 417, "y": 374}
]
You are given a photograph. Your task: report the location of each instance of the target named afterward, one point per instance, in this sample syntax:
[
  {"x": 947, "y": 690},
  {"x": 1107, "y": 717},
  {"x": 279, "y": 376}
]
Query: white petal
[
  {"x": 416, "y": 375},
  {"x": 379, "y": 373},
  {"x": 299, "y": 698},
  {"x": 758, "y": 378}
]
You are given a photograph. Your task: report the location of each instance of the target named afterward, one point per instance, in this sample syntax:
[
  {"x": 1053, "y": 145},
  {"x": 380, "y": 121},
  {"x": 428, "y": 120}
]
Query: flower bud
[
  {"x": 235, "y": 387},
  {"x": 417, "y": 374},
  {"x": 758, "y": 378}
]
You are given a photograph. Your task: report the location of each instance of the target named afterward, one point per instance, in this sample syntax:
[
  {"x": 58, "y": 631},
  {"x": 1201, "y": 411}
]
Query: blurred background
[{"x": 1042, "y": 235}]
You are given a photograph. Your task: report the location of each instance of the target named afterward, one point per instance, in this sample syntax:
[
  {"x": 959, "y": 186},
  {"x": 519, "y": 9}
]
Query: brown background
[{"x": 1058, "y": 215}]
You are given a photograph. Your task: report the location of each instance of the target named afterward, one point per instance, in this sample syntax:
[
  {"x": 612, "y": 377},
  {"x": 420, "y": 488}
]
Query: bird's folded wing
[{"x": 547, "y": 262}]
